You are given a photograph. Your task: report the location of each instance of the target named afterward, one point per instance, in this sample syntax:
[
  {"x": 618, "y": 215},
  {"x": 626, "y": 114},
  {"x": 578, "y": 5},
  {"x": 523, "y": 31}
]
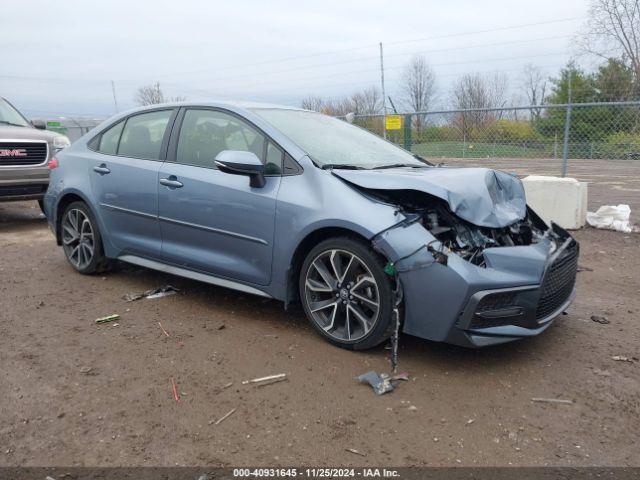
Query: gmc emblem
[{"x": 13, "y": 152}]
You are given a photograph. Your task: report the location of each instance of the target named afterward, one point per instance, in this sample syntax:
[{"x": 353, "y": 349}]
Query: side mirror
[
  {"x": 242, "y": 163},
  {"x": 39, "y": 124}
]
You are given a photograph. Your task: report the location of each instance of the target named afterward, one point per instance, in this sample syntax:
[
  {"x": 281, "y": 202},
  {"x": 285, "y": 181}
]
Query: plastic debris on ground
[
  {"x": 612, "y": 217},
  {"x": 268, "y": 380},
  {"x": 382, "y": 382},
  {"x": 159, "y": 292},
  {"x": 353, "y": 450},
  {"x": 623, "y": 358},
  {"x": 599, "y": 319},
  {"x": 552, "y": 400},
  {"x": 174, "y": 390},
  {"x": 108, "y": 318},
  {"x": 224, "y": 417}
]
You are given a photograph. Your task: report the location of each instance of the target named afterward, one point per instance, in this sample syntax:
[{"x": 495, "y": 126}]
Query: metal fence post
[
  {"x": 407, "y": 132},
  {"x": 565, "y": 148}
]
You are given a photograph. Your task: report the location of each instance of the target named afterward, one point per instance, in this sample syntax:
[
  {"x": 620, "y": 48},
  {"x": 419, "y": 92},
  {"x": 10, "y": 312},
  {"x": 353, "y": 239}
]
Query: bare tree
[
  {"x": 153, "y": 94},
  {"x": 477, "y": 93},
  {"x": 614, "y": 25},
  {"x": 534, "y": 85},
  {"x": 367, "y": 101},
  {"x": 418, "y": 87},
  {"x": 313, "y": 102}
]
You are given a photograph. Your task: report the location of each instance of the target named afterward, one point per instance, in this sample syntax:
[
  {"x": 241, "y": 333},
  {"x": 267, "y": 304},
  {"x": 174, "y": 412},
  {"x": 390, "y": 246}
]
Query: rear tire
[
  {"x": 346, "y": 295},
  {"x": 81, "y": 240}
]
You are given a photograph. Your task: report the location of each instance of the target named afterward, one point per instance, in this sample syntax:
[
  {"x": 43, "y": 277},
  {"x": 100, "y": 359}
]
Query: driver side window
[{"x": 206, "y": 133}]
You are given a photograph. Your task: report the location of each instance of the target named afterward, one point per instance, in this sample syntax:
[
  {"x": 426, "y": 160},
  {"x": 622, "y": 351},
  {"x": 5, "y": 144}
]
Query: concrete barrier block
[{"x": 563, "y": 200}]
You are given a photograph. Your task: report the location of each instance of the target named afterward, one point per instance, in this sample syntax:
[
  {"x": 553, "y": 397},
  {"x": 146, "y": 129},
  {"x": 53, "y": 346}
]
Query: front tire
[
  {"x": 346, "y": 294},
  {"x": 81, "y": 240}
]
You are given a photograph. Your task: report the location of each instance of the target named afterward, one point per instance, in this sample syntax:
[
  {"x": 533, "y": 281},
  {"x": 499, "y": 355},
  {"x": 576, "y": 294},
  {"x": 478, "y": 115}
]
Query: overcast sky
[{"x": 60, "y": 57}]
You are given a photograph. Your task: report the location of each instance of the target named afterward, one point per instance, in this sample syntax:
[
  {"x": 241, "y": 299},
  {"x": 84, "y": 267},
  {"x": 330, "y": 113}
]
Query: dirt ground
[{"x": 78, "y": 393}]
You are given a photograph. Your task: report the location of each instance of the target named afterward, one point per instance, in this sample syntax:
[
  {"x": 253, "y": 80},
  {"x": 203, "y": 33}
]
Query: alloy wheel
[
  {"x": 342, "y": 295},
  {"x": 78, "y": 238}
]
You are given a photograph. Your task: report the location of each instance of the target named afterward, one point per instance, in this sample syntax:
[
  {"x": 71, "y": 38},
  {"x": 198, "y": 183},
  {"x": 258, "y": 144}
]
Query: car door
[
  {"x": 124, "y": 179},
  {"x": 212, "y": 221}
]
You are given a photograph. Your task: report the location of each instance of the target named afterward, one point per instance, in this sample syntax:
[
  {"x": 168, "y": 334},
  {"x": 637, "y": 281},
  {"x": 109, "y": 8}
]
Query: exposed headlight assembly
[{"x": 60, "y": 142}]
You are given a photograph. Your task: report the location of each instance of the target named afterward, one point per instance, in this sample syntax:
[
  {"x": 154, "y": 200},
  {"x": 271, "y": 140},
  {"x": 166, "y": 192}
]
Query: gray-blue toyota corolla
[{"x": 301, "y": 207}]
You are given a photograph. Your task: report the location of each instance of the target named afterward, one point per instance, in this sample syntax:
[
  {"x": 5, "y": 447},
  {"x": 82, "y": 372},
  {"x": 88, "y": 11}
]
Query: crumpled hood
[{"x": 484, "y": 197}]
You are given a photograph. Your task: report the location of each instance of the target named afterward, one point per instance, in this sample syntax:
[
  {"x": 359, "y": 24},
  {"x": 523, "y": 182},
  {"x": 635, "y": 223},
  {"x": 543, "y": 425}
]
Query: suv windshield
[
  {"x": 333, "y": 142},
  {"x": 10, "y": 116}
]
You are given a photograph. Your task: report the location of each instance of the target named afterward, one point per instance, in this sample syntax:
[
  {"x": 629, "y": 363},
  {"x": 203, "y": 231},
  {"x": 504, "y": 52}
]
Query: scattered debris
[
  {"x": 381, "y": 383},
  {"x": 622, "y": 358},
  {"x": 222, "y": 326},
  {"x": 166, "y": 334},
  {"x": 353, "y": 450},
  {"x": 159, "y": 292},
  {"x": 108, "y": 318},
  {"x": 612, "y": 218},
  {"x": 224, "y": 417},
  {"x": 403, "y": 376},
  {"x": 86, "y": 370},
  {"x": 470, "y": 421},
  {"x": 599, "y": 319},
  {"x": 412, "y": 408},
  {"x": 174, "y": 389},
  {"x": 552, "y": 400},
  {"x": 268, "y": 379},
  {"x": 228, "y": 385},
  {"x": 584, "y": 269}
]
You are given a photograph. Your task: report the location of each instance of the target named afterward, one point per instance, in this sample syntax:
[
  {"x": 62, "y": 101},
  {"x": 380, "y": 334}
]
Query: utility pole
[
  {"x": 384, "y": 96},
  {"x": 113, "y": 90}
]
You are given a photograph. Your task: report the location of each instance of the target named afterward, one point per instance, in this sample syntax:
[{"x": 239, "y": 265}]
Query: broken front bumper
[{"x": 518, "y": 294}]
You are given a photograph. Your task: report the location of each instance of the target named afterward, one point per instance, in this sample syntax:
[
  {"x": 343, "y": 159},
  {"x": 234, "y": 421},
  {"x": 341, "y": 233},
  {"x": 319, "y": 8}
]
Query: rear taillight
[{"x": 53, "y": 163}]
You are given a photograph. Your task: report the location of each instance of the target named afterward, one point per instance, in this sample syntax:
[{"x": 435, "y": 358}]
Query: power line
[
  {"x": 372, "y": 58},
  {"x": 376, "y": 69},
  {"x": 305, "y": 67},
  {"x": 364, "y": 47}
]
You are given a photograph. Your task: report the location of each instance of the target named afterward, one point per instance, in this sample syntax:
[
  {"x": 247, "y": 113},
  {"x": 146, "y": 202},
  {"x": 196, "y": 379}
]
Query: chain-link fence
[
  {"x": 72, "y": 127},
  {"x": 572, "y": 131}
]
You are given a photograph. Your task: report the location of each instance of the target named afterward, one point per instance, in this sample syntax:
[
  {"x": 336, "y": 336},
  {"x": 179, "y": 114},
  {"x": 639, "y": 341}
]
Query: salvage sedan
[{"x": 301, "y": 207}]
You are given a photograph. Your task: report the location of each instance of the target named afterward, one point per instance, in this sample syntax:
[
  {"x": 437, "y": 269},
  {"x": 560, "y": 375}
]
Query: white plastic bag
[{"x": 611, "y": 217}]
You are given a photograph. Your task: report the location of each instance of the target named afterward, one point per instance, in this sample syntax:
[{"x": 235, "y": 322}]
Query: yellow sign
[{"x": 393, "y": 122}]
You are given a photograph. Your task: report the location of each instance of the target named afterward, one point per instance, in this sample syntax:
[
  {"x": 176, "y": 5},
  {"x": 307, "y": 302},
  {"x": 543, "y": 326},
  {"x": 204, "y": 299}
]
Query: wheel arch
[
  {"x": 64, "y": 201},
  {"x": 305, "y": 246}
]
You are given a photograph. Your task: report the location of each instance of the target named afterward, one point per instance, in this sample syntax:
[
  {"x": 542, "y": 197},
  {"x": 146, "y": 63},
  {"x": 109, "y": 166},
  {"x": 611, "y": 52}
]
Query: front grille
[
  {"x": 558, "y": 282},
  {"x": 17, "y": 153}
]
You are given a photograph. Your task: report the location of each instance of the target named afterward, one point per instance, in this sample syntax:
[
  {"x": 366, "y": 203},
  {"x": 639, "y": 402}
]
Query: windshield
[
  {"x": 10, "y": 116},
  {"x": 333, "y": 142}
]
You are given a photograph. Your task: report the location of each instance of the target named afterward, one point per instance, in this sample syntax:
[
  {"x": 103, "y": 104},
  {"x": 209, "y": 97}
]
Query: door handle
[
  {"x": 171, "y": 182},
  {"x": 101, "y": 169}
]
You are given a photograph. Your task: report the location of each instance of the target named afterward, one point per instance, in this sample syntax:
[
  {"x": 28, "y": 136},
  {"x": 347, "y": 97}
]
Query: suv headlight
[{"x": 60, "y": 142}]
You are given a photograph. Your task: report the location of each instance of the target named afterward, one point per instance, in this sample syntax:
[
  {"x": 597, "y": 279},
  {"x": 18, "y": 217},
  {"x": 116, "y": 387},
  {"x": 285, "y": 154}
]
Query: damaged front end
[{"x": 475, "y": 285}]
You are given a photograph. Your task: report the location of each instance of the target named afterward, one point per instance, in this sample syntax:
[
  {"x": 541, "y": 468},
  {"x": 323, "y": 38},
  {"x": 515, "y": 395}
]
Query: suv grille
[
  {"x": 17, "y": 153},
  {"x": 558, "y": 282}
]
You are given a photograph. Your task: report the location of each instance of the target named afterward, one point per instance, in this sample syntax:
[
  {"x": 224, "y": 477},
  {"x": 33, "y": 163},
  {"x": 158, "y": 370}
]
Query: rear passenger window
[
  {"x": 109, "y": 139},
  {"x": 142, "y": 135},
  {"x": 206, "y": 133}
]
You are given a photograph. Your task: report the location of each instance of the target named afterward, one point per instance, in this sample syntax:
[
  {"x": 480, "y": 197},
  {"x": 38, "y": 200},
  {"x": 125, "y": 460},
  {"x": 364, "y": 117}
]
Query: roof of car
[{"x": 222, "y": 104}]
